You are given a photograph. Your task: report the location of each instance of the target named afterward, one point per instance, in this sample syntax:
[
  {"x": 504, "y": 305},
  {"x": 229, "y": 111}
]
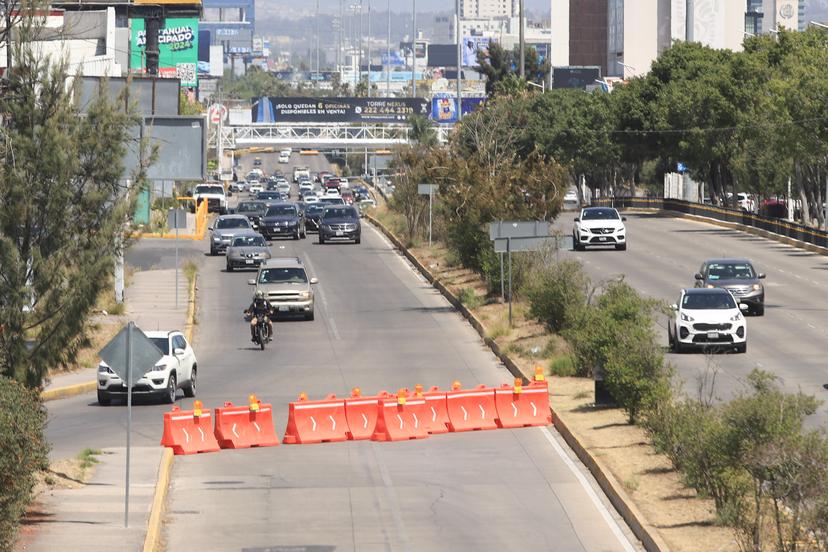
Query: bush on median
[{"x": 23, "y": 452}]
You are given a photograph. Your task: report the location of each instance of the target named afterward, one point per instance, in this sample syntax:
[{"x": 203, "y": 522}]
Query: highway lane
[
  {"x": 378, "y": 326},
  {"x": 789, "y": 341}
]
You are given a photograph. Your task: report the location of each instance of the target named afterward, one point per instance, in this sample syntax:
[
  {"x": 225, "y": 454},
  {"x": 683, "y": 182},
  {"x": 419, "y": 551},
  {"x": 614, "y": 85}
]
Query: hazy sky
[{"x": 332, "y": 6}]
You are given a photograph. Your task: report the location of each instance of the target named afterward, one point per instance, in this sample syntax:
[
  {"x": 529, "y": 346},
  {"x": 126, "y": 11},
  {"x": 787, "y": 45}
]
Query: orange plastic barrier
[
  {"x": 437, "y": 419},
  {"x": 361, "y": 413},
  {"x": 523, "y": 405},
  {"x": 316, "y": 421},
  {"x": 471, "y": 409},
  {"x": 245, "y": 426},
  {"x": 189, "y": 431},
  {"x": 400, "y": 417}
]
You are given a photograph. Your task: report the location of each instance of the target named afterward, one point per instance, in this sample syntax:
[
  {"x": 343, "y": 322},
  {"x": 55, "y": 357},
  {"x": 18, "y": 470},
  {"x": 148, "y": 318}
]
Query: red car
[{"x": 348, "y": 197}]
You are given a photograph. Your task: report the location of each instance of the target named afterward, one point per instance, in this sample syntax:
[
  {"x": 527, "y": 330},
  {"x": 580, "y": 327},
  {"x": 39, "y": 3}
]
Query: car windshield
[
  {"x": 289, "y": 275},
  {"x": 269, "y": 195},
  {"x": 314, "y": 209},
  {"x": 232, "y": 223},
  {"x": 730, "y": 271},
  {"x": 209, "y": 190},
  {"x": 249, "y": 241},
  {"x": 339, "y": 212},
  {"x": 708, "y": 301},
  {"x": 598, "y": 214},
  {"x": 162, "y": 343},
  {"x": 248, "y": 206},
  {"x": 280, "y": 210},
  {"x": 332, "y": 200}
]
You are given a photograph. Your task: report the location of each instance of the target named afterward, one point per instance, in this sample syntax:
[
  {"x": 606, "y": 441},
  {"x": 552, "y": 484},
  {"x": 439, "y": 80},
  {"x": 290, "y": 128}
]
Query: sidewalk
[
  {"x": 150, "y": 303},
  {"x": 92, "y": 517}
]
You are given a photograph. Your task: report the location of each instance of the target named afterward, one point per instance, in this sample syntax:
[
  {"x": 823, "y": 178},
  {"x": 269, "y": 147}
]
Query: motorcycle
[{"x": 261, "y": 334}]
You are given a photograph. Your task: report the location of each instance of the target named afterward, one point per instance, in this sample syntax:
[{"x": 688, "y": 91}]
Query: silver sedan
[{"x": 247, "y": 251}]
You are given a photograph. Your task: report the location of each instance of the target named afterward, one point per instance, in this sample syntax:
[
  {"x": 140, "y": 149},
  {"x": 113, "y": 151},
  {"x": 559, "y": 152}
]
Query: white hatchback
[
  {"x": 707, "y": 318},
  {"x": 176, "y": 370}
]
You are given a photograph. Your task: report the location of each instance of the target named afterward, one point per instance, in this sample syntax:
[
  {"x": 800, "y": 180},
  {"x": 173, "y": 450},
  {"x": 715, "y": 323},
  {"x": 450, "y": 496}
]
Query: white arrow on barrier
[
  {"x": 234, "y": 431},
  {"x": 202, "y": 434},
  {"x": 257, "y": 427},
  {"x": 401, "y": 420},
  {"x": 314, "y": 423},
  {"x": 534, "y": 410},
  {"x": 482, "y": 412},
  {"x": 187, "y": 435},
  {"x": 333, "y": 423},
  {"x": 433, "y": 414},
  {"x": 364, "y": 421},
  {"x": 465, "y": 414},
  {"x": 416, "y": 421},
  {"x": 515, "y": 409}
]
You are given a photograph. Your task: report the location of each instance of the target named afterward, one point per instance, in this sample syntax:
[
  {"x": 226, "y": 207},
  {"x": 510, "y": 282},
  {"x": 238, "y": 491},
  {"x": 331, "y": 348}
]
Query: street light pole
[
  {"x": 341, "y": 30},
  {"x": 369, "y": 48},
  {"x": 459, "y": 59},
  {"x": 359, "y": 56},
  {"x": 522, "y": 43},
  {"x": 317, "y": 42},
  {"x": 413, "y": 48},
  {"x": 388, "y": 56}
]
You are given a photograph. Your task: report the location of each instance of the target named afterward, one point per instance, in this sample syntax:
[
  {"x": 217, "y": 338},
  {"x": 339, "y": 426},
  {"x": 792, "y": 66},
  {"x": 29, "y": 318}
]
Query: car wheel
[
  {"x": 296, "y": 235},
  {"x": 169, "y": 396},
  {"x": 229, "y": 266},
  {"x": 741, "y": 347},
  {"x": 358, "y": 240},
  {"x": 671, "y": 343},
  {"x": 213, "y": 252},
  {"x": 321, "y": 239},
  {"x": 103, "y": 398},
  {"x": 190, "y": 388},
  {"x": 679, "y": 348},
  {"x": 309, "y": 316},
  {"x": 304, "y": 234},
  {"x": 576, "y": 244},
  {"x": 759, "y": 310},
  {"x": 621, "y": 247}
]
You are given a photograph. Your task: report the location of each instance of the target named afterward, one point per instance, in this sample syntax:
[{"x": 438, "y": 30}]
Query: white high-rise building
[{"x": 485, "y": 9}]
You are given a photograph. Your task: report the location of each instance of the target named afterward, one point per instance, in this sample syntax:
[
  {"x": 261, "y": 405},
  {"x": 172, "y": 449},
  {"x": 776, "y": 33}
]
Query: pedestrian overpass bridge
[{"x": 314, "y": 136}]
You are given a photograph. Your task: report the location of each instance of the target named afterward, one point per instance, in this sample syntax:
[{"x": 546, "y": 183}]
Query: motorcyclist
[{"x": 259, "y": 307}]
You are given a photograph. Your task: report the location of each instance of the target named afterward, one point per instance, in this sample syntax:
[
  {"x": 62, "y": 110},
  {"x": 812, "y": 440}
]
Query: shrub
[
  {"x": 558, "y": 293},
  {"x": 23, "y": 451},
  {"x": 469, "y": 298},
  {"x": 562, "y": 366}
]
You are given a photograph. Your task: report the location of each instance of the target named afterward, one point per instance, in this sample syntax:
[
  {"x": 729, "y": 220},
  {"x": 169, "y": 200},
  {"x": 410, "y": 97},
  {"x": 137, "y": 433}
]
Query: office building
[{"x": 485, "y": 9}]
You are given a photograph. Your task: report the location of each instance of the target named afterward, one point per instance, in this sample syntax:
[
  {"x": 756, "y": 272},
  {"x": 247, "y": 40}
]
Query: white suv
[
  {"x": 176, "y": 370},
  {"x": 599, "y": 226},
  {"x": 213, "y": 194},
  {"x": 707, "y": 318}
]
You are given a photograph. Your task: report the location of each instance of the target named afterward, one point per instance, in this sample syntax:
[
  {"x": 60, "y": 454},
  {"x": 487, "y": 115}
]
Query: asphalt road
[
  {"x": 790, "y": 340},
  {"x": 378, "y": 326}
]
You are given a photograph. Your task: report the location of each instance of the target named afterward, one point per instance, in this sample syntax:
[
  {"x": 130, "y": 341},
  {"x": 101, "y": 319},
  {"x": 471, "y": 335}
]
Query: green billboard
[{"x": 177, "y": 47}]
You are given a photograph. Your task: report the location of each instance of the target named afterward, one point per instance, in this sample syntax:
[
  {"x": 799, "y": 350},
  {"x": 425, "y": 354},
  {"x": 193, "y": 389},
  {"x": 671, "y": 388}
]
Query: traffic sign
[
  {"x": 144, "y": 354},
  {"x": 427, "y": 189},
  {"x": 218, "y": 113},
  {"x": 518, "y": 229},
  {"x": 517, "y": 245}
]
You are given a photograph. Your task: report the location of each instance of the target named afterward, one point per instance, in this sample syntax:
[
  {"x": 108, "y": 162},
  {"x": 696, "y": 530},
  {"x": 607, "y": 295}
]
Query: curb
[
  {"x": 151, "y": 541},
  {"x": 643, "y": 531},
  {"x": 88, "y": 386}
]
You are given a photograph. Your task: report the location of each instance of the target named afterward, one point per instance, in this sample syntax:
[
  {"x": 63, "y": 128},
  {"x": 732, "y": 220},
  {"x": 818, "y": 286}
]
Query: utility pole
[
  {"x": 317, "y": 43},
  {"x": 341, "y": 30},
  {"x": 359, "y": 57},
  {"x": 689, "y": 19},
  {"x": 368, "y": 56},
  {"x": 388, "y": 58},
  {"x": 413, "y": 48},
  {"x": 522, "y": 43},
  {"x": 459, "y": 59}
]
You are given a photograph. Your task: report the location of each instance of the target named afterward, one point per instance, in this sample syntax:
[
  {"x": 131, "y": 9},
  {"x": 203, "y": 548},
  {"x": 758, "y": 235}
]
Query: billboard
[
  {"x": 471, "y": 44},
  {"x": 177, "y": 46},
  {"x": 575, "y": 77},
  {"x": 442, "y": 55},
  {"x": 444, "y": 107},
  {"x": 337, "y": 110}
]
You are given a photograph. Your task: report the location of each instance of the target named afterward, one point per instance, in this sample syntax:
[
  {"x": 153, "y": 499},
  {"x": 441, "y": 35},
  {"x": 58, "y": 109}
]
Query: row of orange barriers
[{"x": 383, "y": 417}]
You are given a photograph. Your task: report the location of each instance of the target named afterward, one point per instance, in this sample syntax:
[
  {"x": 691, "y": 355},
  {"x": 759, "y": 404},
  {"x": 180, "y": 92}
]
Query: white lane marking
[
  {"x": 333, "y": 423},
  {"x": 314, "y": 423},
  {"x": 401, "y": 420},
  {"x": 364, "y": 421},
  {"x": 433, "y": 414},
  {"x": 613, "y": 525},
  {"x": 398, "y": 254},
  {"x": 186, "y": 435},
  {"x": 465, "y": 414},
  {"x": 234, "y": 430},
  {"x": 256, "y": 425},
  {"x": 514, "y": 408},
  {"x": 482, "y": 412}
]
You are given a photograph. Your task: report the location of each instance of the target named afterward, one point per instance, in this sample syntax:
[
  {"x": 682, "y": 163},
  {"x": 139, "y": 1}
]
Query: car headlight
[
  {"x": 736, "y": 317},
  {"x": 304, "y": 295},
  {"x": 757, "y": 287},
  {"x": 585, "y": 230},
  {"x": 686, "y": 318},
  {"x": 710, "y": 286},
  {"x": 104, "y": 369},
  {"x": 216, "y": 238},
  {"x": 159, "y": 367}
]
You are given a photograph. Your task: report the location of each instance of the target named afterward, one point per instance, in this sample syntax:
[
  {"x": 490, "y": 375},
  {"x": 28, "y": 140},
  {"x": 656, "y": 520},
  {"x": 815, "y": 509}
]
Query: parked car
[
  {"x": 707, "y": 318},
  {"x": 599, "y": 226},
  {"x": 283, "y": 219},
  {"x": 177, "y": 369},
  {"x": 340, "y": 223},
  {"x": 224, "y": 229},
  {"x": 247, "y": 251},
  {"x": 736, "y": 276},
  {"x": 253, "y": 210},
  {"x": 285, "y": 283},
  {"x": 213, "y": 194}
]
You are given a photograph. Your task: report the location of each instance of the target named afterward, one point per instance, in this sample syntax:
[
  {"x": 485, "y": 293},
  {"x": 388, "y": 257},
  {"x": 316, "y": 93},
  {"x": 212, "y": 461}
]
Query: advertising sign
[
  {"x": 177, "y": 45},
  {"x": 396, "y": 60},
  {"x": 337, "y": 110},
  {"x": 471, "y": 44},
  {"x": 575, "y": 77},
  {"x": 444, "y": 108}
]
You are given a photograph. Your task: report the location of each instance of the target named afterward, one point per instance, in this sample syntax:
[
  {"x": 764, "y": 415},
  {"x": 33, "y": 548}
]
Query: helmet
[{"x": 259, "y": 294}]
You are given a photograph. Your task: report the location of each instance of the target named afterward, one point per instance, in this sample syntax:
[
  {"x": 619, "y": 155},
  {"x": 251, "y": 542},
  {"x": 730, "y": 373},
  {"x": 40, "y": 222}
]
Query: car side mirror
[
  {"x": 743, "y": 306},
  {"x": 251, "y": 282},
  {"x": 577, "y": 219},
  {"x": 674, "y": 307},
  {"x": 761, "y": 276},
  {"x": 623, "y": 219},
  {"x": 178, "y": 352},
  {"x": 698, "y": 276},
  {"x": 314, "y": 281}
]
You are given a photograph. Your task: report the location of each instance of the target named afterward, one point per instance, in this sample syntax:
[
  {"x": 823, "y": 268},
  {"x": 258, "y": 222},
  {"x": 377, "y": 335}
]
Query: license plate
[
  {"x": 602, "y": 238},
  {"x": 340, "y": 233},
  {"x": 248, "y": 261},
  {"x": 712, "y": 335},
  {"x": 283, "y": 309}
]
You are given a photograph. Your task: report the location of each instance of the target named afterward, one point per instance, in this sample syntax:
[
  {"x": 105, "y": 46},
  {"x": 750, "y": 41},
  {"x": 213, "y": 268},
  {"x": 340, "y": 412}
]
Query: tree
[
  {"x": 422, "y": 131},
  {"x": 254, "y": 84},
  {"x": 498, "y": 64},
  {"x": 63, "y": 210}
]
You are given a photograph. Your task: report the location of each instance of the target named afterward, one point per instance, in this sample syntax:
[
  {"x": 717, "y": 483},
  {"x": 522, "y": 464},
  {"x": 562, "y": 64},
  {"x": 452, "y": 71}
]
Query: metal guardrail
[{"x": 782, "y": 227}]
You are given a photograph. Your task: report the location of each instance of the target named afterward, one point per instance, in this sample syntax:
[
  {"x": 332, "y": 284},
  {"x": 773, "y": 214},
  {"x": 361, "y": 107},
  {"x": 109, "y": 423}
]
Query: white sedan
[{"x": 707, "y": 318}]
